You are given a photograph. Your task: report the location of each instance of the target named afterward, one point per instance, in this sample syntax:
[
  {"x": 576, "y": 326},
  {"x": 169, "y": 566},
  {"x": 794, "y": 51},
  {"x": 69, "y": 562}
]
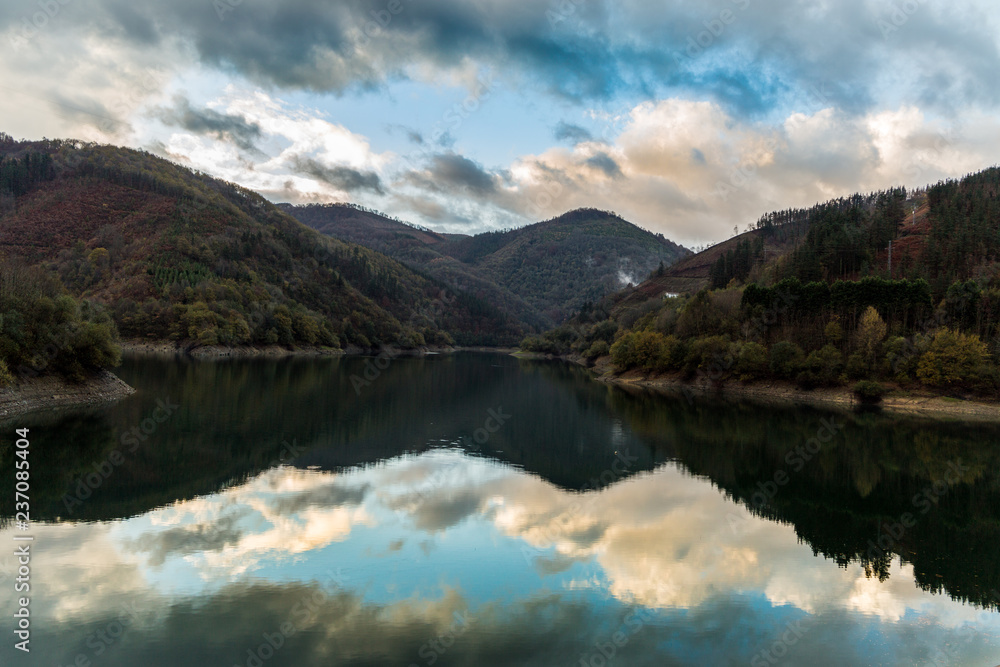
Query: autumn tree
[{"x": 871, "y": 332}]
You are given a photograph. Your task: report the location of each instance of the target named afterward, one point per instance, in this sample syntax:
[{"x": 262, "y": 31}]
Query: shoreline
[
  {"x": 52, "y": 393},
  {"x": 916, "y": 403},
  {"x": 139, "y": 348}
]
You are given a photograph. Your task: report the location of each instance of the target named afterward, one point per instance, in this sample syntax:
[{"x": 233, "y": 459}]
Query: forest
[
  {"x": 828, "y": 312},
  {"x": 45, "y": 331},
  {"x": 177, "y": 255}
]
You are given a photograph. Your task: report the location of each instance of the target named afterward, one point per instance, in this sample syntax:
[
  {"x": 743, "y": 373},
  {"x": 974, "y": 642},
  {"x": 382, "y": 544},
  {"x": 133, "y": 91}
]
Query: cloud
[
  {"x": 664, "y": 542},
  {"x": 572, "y": 133},
  {"x": 454, "y": 174},
  {"x": 223, "y": 126},
  {"x": 344, "y": 179},
  {"x": 606, "y": 164},
  {"x": 765, "y": 55}
]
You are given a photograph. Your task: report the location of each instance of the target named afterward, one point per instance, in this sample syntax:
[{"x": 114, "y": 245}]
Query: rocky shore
[{"x": 53, "y": 392}]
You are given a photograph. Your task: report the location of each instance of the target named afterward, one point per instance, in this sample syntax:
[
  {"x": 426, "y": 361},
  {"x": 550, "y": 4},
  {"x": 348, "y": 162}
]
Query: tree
[
  {"x": 954, "y": 358},
  {"x": 871, "y": 332}
]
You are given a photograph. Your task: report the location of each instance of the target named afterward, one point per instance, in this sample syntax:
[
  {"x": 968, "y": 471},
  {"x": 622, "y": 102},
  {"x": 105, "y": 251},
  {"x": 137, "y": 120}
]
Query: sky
[{"x": 687, "y": 118}]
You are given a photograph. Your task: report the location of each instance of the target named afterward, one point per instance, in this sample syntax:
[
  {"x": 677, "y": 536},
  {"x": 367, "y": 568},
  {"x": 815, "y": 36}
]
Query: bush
[
  {"x": 603, "y": 331},
  {"x": 786, "y": 360},
  {"x": 954, "y": 359},
  {"x": 751, "y": 361},
  {"x": 6, "y": 378},
  {"x": 869, "y": 391},
  {"x": 600, "y": 348},
  {"x": 901, "y": 356},
  {"x": 857, "y": 366},
  {"x": 824, "y": 366},
  {"x": 623, "y": 353},
  {"x": 710, "y": 354}
]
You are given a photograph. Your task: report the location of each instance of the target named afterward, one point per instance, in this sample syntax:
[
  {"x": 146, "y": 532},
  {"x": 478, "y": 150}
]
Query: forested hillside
[
  {"x": 420, "y": 249},
  {"x": 541, "y": 273},
  {"x": 810, "y": 296},
  {"x": 182, "y": 256}
]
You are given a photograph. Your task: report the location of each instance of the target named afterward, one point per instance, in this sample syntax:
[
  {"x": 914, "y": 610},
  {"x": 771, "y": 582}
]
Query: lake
[{"x": 478, "y": 509}]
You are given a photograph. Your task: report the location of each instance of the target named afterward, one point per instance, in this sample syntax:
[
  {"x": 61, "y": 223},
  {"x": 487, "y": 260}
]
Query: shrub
[
  {"x": 786, "y": 359},
  {"x": 954, "y": 359},
  {"x": 623, "y": 352},
  {"x": 857, "y": 366},
  {"x": 6, "y": 378},
  {"x": 600, "y": 348},
  {"x": 869, "y": 391},
  {"x": 603, "y": 331},
  {"x": 824, "y": 366},
  {"x": 751, "y": 361},
  {"x": 710, "y": 354},
  {"x": 901, "y": 356}
]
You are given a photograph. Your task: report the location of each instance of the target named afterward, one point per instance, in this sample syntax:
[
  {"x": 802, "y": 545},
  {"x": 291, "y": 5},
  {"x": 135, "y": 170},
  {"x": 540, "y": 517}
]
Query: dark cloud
[
  {"x": 412, "y": 135},
  {"x": 450, "y": 172},
  {"x": 327, "y": 497},
  {"x": 606, "y": 164},
  {"x": 226, "y": 127},
  {"x": 184, "y": 540},
  {"x": 346, "y": 179},
  {"x": 572, "y": 133},
  {"x": 770, "y": 53}
]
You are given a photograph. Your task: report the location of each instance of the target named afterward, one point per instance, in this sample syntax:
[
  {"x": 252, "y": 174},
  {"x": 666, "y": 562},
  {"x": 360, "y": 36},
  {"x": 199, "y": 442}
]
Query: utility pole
[{"x": 890, "y": 260}]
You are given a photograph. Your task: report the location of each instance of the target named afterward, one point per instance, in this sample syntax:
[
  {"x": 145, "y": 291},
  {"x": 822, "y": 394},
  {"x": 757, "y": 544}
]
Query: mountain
[
  {"x": 417, "y": 248},
  {"x": 944, "y": 234},
  {"x": 179, "y": 255},
  {"x": 892, "y": 286},
  {"x": 541, "y": 273}
]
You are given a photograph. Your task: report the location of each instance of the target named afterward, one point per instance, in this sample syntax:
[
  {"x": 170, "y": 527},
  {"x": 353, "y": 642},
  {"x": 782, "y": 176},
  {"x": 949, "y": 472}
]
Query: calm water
[{"x": 480, "y": 510}]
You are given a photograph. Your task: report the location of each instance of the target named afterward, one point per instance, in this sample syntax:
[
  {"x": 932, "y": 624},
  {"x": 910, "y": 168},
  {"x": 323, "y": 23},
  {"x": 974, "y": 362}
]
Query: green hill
[
  {"x": 541, "y": 273},
  {"x": 178, "y": 255}
]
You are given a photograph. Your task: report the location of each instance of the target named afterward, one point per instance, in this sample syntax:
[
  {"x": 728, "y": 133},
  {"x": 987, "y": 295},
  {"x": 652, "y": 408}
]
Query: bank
[
  {"x": 898, "y": 400},
  {"x": 158, "y": 348},
  {"x": 52, "y": 392}
]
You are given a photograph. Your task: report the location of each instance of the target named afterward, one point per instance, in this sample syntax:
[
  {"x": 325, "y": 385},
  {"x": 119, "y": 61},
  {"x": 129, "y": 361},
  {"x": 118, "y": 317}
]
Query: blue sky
[{"x": 690, "y": 119}]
